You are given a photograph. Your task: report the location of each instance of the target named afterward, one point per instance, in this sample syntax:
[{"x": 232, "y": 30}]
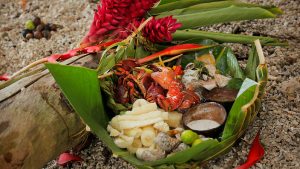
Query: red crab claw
[
  {"x": 121, "y": 92},
  {"x": 133, "y": 94},
  {"x": 153, "y": 92},
  {"x": 164, "y": 78},
  {"x": 175, "y": 94},
  {"x": 190, "y": 98},
  {"x": 164, "y": 103},
  {"x": 174, "y": 97},
  {"x": 125, "y": 67},
  {"x": 178, "y": 70}
]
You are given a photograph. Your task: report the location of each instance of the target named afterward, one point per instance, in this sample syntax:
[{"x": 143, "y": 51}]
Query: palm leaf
[
  {"x": 162, "y": 2},
  {"x": 216, "y": 5},
  {"x": 183, "y": 35},
  {"x": 229, "y": 14},
  {"x": 167, "y": 5}
]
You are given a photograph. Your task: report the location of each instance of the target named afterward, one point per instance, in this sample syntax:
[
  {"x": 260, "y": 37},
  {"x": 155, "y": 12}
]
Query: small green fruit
[
  {"x": 197, "y": 141},
  {"x": 29, "y": 25},
  {"x": 188, "y": 136}
]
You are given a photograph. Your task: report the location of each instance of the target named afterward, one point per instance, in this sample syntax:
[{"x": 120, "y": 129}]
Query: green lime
[
  {"x": 197, "y": 141},
  {"x": 188, "y": 136},
  {"x": 29, "y": 25}
]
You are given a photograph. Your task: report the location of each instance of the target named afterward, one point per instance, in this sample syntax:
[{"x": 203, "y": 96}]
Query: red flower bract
[
  {"x": 114, "y": 16},
  {"x": 160, "y": 30}
]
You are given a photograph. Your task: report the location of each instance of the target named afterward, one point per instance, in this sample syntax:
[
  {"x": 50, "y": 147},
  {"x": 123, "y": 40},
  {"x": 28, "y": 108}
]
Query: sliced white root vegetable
[
  {"x": 165, "y": 115},
  {"x": 144, "y": 109},
  {"x": 145, "y": 116},
  {"x": 148, "y": 136},
  {"x": 132, "y": 124},
  {"x": 132, "y": 149},
  {"x": 135, "y": 145},
  {"x": 127, "y": 138},
  {"x": 134, "y": 132},
  {"x": 161, "y": 126},
  {"x": 113, "y": 132},
  {"x": 140, "y": 152},
  {"x": 123, "y": 141},
  {"x": 174, "y": 119},
  {"x": 115, "y": 123},
  {"x": 139, "y": 103}
]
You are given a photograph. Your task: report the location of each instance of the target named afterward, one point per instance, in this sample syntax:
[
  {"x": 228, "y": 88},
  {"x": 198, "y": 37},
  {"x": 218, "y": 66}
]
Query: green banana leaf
[
  {"x": 162, "y": 2},
  {"x": 228, "y": 14},
  {"x": 167, "y": 5},
  {"x": 235, "y": 83},
  {"x": 183, "y": 35},
  {"x": 80, "y": 86},
  {"x": 252, "y": 63},
  {"x": 227, "y": 64},
  {"x": 237, "y": 116},
  {"x": 216, "y": 5}
]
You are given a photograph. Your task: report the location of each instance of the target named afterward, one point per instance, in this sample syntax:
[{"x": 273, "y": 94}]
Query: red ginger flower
[
  {"x": 113, "y": 16},
  {"x": 160, "y": 30}
]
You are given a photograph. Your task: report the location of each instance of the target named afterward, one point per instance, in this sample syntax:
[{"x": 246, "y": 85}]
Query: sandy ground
[{"x": 279, "y": 117}]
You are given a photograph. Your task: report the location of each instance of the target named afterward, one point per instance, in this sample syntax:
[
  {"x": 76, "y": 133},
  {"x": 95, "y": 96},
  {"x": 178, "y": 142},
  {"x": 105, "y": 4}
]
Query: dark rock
[
  {"x": 29, "y": 36},
  {"x": 37, "y": 21},
  {"x": 46, "y": 34},
  {"x": 40, "y": 27},
  {"x": 38, "y": 34}
]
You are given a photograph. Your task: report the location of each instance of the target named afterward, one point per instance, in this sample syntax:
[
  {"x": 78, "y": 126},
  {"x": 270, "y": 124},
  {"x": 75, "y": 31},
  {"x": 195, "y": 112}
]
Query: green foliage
[
  {"x": 167, "y": 5},
  {"x": 81, "y": 87},
  {"x": 203, "y": 7},
  {"x": 184, "y": 35},
  {"x": 252, "y": 64},
  {"x": 237, "y": 116},
  {"x": 197, "y": 13},
  {"x": 235, "y": 83},
  {"x": 227, "y": 63},
  {"x": 228, "y": 14}
]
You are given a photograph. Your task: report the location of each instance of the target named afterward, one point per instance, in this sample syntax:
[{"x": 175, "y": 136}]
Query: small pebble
[
  {"x": 53, "y": 27},
  {"x": 38, "y": 35},
  {"x": 47, "y": 27},
  {"x": 40, "y": 27},
  {"x": 37, "y": 21},
  {"x": 46, "y": 34},
  {"x": 29, "y": 36},
  {"x": 25, "y": 32}
]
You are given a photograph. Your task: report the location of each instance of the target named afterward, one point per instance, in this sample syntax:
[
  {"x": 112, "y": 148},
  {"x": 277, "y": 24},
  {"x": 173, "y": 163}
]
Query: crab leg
[{"x": 174, "y": 50}]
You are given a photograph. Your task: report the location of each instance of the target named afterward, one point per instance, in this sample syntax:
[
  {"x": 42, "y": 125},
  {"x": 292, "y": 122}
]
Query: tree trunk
[{"x": 36, "y": 122}]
